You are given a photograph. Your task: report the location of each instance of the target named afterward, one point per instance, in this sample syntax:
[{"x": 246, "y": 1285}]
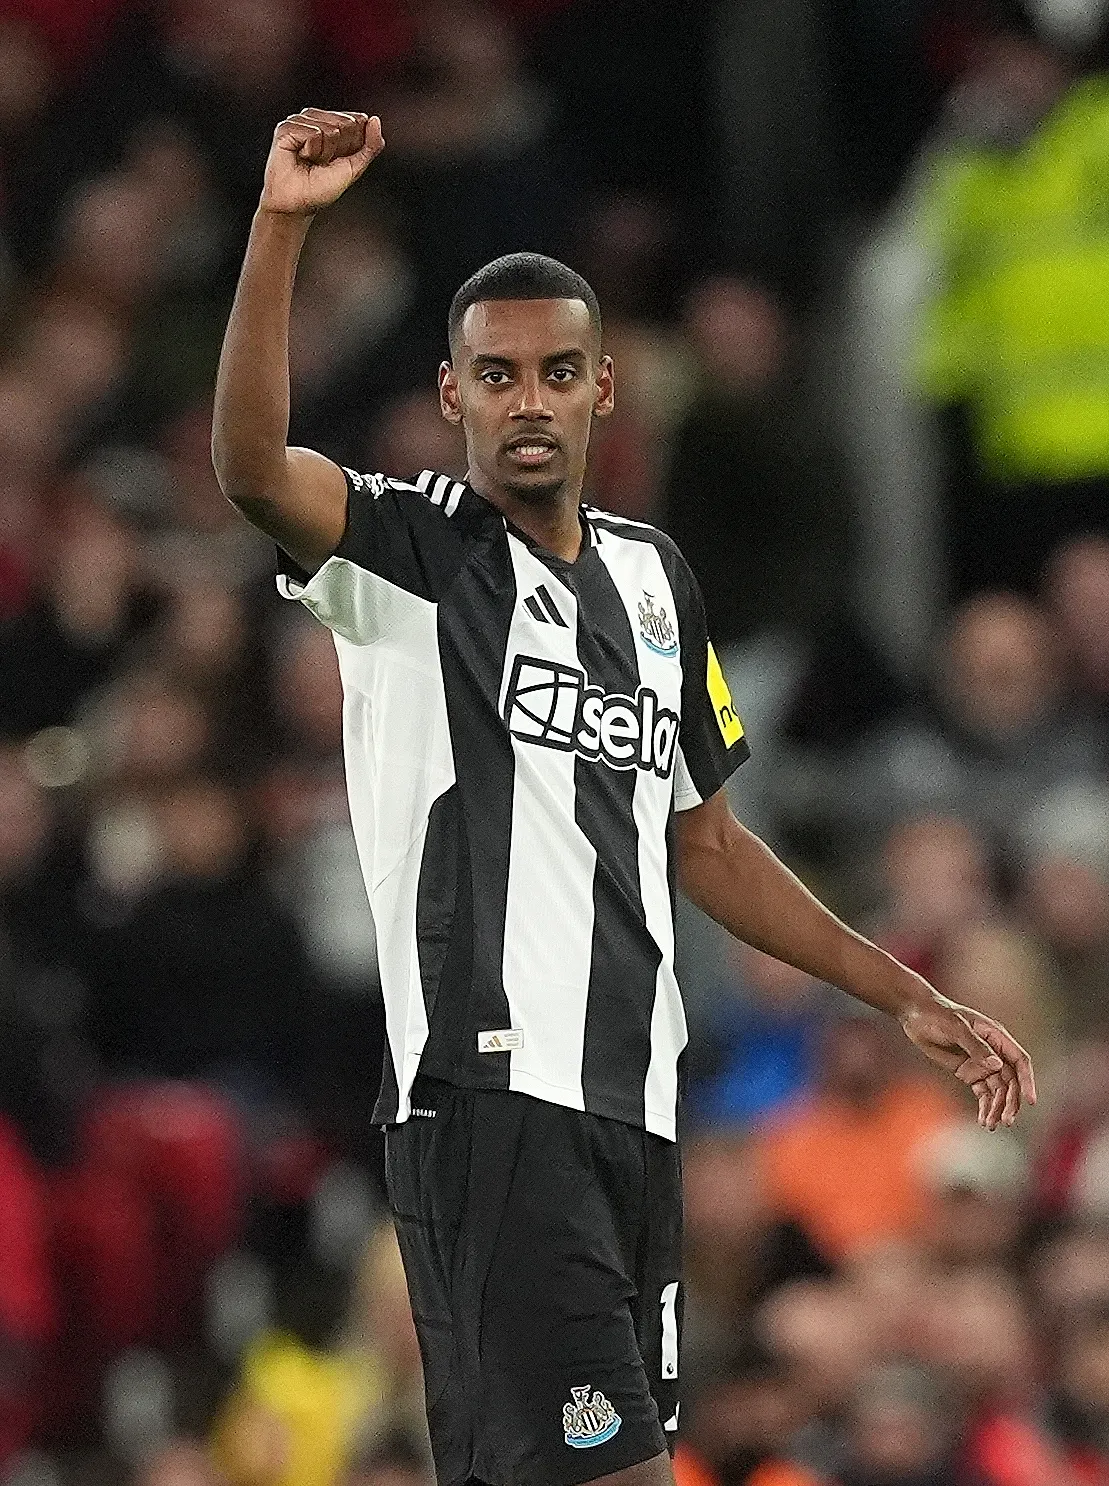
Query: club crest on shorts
[
  {"x": 588, "y": 1419},
  {"x": 655, "y": 629}
]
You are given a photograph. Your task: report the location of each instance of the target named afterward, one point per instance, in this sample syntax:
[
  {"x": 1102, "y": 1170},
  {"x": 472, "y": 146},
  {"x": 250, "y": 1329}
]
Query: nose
[{"x": 531, "y": 404}]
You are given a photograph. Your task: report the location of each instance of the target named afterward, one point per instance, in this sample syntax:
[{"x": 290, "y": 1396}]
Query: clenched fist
[{"x": 316, "y": 154}]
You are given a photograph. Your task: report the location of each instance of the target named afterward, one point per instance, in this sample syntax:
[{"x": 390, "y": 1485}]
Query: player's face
[{"x": 526, "y": 381}]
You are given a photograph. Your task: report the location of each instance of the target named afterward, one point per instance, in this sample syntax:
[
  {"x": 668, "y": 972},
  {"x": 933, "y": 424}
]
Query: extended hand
[
  {"x": 979, "y": 1052},
  {"x": 316, "y": 154}
]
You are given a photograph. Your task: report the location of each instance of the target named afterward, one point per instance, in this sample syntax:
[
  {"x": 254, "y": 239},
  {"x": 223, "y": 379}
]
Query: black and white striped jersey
[{"x": 518, "y": 730}]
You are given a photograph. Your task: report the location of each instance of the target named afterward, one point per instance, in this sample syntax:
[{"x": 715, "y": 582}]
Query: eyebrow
[{"x": 575, "y": 355}]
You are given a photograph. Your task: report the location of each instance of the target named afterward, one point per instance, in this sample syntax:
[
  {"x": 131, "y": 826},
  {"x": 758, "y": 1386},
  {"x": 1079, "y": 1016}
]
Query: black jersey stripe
[
  {"x": 625, "y": 956},
  {"x": 436, "y": 895},
  {"x": 387, "y": 1105},
  {"x": 535, "y": 609},
  {"x": 471, "y": 989}
]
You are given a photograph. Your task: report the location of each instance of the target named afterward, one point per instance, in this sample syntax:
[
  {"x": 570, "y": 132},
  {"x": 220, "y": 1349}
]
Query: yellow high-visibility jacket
[{"x": 1017, "y": 327}]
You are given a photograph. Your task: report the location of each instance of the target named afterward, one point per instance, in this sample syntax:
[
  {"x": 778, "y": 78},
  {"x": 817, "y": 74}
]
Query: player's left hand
[{"x": 979, "y": 1052}]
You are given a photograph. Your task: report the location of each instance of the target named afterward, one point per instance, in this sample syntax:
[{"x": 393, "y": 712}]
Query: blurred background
[{"x": 853, "y": 257}]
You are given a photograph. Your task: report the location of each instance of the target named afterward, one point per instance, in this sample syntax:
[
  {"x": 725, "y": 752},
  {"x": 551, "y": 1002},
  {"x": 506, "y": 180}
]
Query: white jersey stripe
[
  {"x": 394, "y": 908},
  {"x": 595, "y": 513},
  {"x": 451, "y": 504},
  {"x": 423, "y": 480},
  {"x": 439, "y": 490},
  {"x": 547, "y": 954},
  {"x": 367, "y": 613}
]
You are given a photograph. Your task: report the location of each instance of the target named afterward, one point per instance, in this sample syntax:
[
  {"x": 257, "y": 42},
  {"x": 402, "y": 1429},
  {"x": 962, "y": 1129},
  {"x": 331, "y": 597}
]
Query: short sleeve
[
  {"x": 711, "y": 742},
  {"x": 400, "y": 543}
]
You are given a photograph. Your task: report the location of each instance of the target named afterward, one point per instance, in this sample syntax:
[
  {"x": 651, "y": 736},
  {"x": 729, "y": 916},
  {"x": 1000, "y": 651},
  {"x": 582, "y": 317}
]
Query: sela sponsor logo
[
  {"x": 553, "y": 705},
  {"x": 655, "y": 629},
  {"x": 588, "y": 1419},
  {"x": 508, "y": 1040}
]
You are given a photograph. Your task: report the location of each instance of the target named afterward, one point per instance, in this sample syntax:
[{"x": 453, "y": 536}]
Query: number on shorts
[{"x": 670, "y": 1330}]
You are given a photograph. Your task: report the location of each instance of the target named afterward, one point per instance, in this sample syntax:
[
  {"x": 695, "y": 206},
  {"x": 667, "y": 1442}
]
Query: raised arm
[
  {"x": 294, "y": 495},
  {"x": 740, "y": 883}
]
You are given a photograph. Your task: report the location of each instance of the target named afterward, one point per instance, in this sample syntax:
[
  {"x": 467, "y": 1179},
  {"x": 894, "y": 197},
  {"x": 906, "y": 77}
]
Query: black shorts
[{"x": 542, "y": 1248}]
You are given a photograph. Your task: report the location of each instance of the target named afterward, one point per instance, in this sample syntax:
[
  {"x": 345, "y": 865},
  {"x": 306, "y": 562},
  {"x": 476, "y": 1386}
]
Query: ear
[
  {"x": 450, "y": 404},
  {"x": 605, "y": 398}
]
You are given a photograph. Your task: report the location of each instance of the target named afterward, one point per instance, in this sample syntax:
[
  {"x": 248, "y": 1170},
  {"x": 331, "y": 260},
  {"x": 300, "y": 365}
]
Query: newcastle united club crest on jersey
[
  {"x": 655, "y": 629},
  {"x": 589, "y": 1419}
]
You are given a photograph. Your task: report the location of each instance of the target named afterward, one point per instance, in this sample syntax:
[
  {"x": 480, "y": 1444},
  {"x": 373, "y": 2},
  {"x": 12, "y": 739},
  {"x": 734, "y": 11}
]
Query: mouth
[{"x": 531, "y": 451}]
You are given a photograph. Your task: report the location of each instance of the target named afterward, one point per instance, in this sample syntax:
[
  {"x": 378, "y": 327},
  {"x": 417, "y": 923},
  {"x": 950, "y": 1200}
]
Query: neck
[{"x": 552, "y": 522}]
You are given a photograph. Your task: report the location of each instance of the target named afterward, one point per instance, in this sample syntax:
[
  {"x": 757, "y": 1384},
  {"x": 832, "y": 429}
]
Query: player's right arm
[{"x": 296, "y": 496}]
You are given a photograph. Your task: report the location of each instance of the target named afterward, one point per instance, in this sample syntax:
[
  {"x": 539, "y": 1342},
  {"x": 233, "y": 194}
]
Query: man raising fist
[
  {"x": 316, "y": 155},
  {"x": 537, "y": 733},
  {"x": 296, "y": 496}
]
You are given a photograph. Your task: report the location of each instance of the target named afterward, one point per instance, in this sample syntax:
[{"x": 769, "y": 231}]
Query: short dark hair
[{"x": 522, "y": 276}]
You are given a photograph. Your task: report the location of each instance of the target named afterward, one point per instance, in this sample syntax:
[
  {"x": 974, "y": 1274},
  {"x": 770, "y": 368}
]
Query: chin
[{"x": 535, "y": 492}]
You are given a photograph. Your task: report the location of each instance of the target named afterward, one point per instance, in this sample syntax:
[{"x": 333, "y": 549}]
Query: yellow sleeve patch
[{"x": 727, "y": 718}]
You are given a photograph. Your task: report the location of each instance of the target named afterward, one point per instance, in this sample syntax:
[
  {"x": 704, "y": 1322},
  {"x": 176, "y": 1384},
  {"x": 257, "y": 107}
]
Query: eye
[
  {"x": 563, "y": 374},
  {"x": 494, "y": 376}
]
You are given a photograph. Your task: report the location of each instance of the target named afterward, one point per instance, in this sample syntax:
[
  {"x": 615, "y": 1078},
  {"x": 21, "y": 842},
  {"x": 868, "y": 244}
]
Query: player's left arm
[{"x": 737, "y": 880}]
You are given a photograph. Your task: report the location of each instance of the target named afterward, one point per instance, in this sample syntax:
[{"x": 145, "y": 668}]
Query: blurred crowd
[{"x": 853, "y": 259}]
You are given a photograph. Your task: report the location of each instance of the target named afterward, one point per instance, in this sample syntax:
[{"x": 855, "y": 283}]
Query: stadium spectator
[
  {"x": 863, "y": 1123},
  {"x": 202, "y": 975},
  {"x": 94, "y": 600},
  {"x": 1077, "y": 596},
  {"x": 976, "y": 1215},
  {"x": 1063, "y": 891},
  {"x": 820, "y": 1331},
  {"x": 993, "y": 732},
  {"x": 222, "y": 76},
  {"x": 359, "y": 337},
  {"x": 744, "y": 1418},
  {"x": 181, "y": 1462},
  {"x": 760, "y": 1049},
  {"x": 937, "y": 879},
  {"x": 1021, "y": 366},
  {"x": 46, "y": 1069},
  {"x": 394, "y": 1462},
  {"x": 293, "y": 1415},
  {"x": 1069, "y": 1275},
  {"x": 1082, "y": 1398},
  {"x": 200, "y": 527},
  {"x": 899, "y": 1430},
  {"x": 750, "y": 464},
  {"x": 409, "y": 428},
  {"x": 472, "y": 140}
]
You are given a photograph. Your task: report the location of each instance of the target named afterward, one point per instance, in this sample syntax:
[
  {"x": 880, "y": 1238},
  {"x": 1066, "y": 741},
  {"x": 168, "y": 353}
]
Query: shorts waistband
[{"x": 429, "y": 1093}]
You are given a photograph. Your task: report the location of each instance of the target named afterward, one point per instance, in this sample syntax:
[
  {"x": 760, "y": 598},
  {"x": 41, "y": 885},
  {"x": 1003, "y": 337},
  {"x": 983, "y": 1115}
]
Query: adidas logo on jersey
[
  {"x": 542, "y": 607},
  {"x": 554, "y": 705},
  {"x": 508, "y": 1040}
]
